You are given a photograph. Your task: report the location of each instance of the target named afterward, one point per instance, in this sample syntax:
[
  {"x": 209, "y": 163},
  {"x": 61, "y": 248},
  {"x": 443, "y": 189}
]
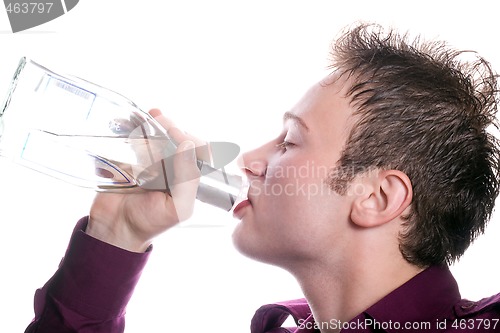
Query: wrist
[{"x": 117, "y": 234}]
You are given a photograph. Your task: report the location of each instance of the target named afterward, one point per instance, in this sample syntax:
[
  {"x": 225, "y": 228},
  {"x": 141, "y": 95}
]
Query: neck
[{"x": 338, "y": 292}]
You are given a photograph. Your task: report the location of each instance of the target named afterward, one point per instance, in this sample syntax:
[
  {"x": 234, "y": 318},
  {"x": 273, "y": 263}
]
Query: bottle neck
[{"x": 220, "y": 189}]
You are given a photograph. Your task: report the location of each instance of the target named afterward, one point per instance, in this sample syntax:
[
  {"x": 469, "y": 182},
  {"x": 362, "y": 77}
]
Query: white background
[{"x": 226, "y": 71}]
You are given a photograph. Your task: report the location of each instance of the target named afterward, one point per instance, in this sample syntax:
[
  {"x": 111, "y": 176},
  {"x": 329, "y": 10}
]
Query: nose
[{"x": 255, "y": 162}]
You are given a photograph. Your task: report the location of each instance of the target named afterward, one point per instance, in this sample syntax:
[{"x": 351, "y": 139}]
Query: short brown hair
[{"x": 423, "y": 111}]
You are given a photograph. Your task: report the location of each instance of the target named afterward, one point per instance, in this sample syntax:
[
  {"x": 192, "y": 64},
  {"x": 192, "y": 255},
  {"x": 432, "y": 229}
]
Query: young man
[{"x": 385, "y": 174}]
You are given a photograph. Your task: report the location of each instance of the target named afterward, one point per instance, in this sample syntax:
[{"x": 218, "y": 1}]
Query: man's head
[
  {"x": 421, "y": 110},
  {"x": 388, "y": 156}
]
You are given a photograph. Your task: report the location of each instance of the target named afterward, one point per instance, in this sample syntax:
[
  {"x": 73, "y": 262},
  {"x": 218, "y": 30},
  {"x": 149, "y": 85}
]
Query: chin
[
  {"x": 247, "y": 242},
  {"x": 240, "y": 240},
  {"x": 251, "y": 245}
]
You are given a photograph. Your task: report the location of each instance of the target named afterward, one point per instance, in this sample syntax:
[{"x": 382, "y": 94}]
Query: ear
[{"x": 385, "y": 196}]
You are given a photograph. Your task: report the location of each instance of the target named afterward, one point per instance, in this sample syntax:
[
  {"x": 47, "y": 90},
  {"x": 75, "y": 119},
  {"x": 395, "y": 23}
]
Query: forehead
[{"x": 325, "y": 108}]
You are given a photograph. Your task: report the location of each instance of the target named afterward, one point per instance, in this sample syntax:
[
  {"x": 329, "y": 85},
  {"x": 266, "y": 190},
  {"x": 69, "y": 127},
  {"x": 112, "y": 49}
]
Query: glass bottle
[{"x": 90, "y": 136}]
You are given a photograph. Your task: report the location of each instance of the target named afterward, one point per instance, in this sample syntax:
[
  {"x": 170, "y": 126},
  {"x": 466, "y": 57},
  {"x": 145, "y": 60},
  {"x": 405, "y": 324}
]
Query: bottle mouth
[{"x": 243, "y": 194}]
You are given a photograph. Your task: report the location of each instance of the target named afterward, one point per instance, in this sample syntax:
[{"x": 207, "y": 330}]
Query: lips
[
  {"x": 238, "y": 210},
  {"x": 251, "y": 192}
]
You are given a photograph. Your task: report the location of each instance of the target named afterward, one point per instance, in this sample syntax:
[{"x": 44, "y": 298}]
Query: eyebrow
[{"x": 289, "y": 115}]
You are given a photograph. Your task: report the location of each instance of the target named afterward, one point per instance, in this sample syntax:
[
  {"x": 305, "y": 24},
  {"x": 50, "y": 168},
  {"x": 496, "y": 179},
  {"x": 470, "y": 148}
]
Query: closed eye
[{"x": 284, "y": 145}]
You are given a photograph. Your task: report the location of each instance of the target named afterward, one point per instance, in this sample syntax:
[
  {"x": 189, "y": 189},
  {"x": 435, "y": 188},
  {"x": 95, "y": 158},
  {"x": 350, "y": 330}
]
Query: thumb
[{"x": 186, "y": 180}]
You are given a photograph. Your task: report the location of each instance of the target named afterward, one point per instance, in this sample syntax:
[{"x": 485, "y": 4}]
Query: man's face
[{"x": 292, "y": 213}]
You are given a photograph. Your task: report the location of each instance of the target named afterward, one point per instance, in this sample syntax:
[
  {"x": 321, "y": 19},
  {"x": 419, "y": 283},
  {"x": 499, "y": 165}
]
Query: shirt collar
[{"x": 429, "y": 295}]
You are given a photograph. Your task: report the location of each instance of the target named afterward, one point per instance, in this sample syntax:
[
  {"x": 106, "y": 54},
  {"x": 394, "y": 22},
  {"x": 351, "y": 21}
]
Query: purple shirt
[
  {"x": 95, "y": 280},
  {"x": 91, "y": 288},
  {"x": 429, "y": 302}
]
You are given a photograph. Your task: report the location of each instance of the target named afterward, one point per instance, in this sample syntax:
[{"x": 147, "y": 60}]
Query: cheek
[
  {"x": 293, "y": 206},
  {"x": 297, "y": 185},
  {"x": 288, "y": 229}
]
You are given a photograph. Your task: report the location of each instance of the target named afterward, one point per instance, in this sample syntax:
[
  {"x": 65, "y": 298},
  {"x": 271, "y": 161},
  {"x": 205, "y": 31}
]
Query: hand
[{"x": 132, "y": 220}]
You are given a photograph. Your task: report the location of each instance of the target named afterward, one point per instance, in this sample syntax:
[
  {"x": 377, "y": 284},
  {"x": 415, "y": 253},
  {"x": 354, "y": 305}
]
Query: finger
[
  {"x": 186, "y": 180},
  {"x": 165, "y": 122},
  {"x": 178, "y": 136},
  {"x": 173, "y": 131},
  {"x": 154, "y": 112},
  {"x": 203, "y": 151}
]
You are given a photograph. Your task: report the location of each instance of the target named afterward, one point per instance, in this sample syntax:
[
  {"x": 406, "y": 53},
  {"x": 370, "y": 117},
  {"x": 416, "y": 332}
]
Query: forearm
[{"x": 90, "y": 289}]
